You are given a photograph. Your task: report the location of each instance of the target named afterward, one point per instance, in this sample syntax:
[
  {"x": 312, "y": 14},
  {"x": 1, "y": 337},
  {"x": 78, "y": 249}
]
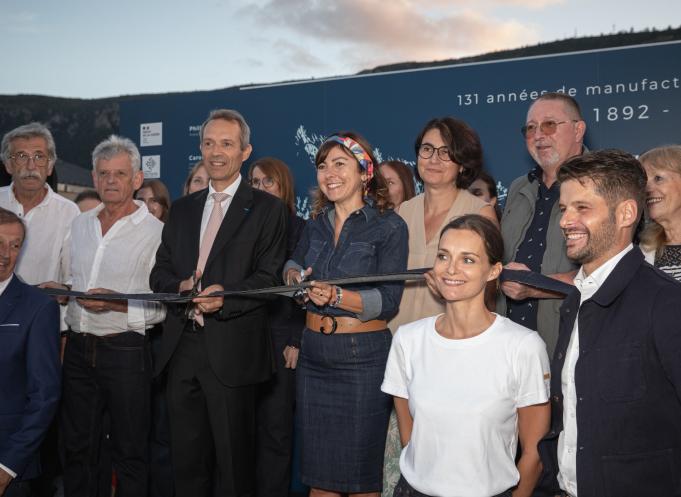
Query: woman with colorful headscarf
[{"x": 342, "y": 413}]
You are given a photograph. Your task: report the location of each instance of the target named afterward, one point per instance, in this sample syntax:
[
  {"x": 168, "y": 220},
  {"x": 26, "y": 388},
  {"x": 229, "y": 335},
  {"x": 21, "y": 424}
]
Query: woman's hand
[
  {"x": 321, "y": 293},
  {"x": 291, "y": 357},
  {"x": 430, "y": 281},
  {"x": 293, "y": 276}
]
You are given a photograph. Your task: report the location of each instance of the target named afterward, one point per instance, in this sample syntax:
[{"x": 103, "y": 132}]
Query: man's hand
[
  {"x": 103, "y": 305},
  {"x": 54, "y": 284},
  {"x": 519, "y": 291},
  {"x": 515, "y": 290},
  {"x": 5, "y": 480},
  {"x": 208, "y": 305},
  {"x": 188, "y": 284},
  {"x": 291, "y": 357}
]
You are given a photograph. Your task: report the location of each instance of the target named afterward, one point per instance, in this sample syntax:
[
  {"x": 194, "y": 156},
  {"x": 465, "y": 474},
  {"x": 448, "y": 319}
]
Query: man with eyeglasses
[
  {"x": 554, "y": 132},
  {"x": 29, "y": 153}
]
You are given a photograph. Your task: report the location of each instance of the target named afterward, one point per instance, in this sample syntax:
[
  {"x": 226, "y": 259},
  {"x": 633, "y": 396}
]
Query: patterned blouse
[{"x": 670, "y": 261}]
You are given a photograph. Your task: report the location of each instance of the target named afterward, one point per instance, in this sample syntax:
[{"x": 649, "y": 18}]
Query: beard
[
  {"x": 598, "y": 242},
  {"x": 547, "y": 162}
]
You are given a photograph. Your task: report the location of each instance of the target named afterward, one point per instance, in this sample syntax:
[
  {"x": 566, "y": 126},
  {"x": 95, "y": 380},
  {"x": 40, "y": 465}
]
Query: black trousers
[
  {"x": 160, "y": 464},
  {"x": 274, "y": 420},
  {"x": 212, "y": 426},
  {"x": 106, "y": 374}
]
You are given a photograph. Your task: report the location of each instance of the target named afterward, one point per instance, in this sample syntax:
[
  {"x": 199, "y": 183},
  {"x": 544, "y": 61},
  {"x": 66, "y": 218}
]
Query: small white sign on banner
[
  {"x": 151, "y": 166},
  {"x": 151, "y": 134}
]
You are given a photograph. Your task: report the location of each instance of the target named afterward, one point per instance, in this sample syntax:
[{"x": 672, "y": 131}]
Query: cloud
[
  {"x": 294, "y": 57},
  {"x": 485, "y": 4},
  {"x": 399, "y": 30}
]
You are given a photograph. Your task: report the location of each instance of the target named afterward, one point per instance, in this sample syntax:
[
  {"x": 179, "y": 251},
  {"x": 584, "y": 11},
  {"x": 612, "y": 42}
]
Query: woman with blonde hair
[{"x": 661, "y": 237}]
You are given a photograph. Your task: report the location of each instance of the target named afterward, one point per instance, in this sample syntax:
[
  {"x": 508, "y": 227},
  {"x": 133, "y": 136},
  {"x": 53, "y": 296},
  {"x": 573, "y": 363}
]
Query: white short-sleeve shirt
[{"x": 463, "y": 396}]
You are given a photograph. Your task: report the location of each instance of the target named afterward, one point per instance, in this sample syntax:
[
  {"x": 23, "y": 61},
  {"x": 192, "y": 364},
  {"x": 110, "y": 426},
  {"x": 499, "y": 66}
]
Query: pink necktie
[{"x": 214, "y": 222}]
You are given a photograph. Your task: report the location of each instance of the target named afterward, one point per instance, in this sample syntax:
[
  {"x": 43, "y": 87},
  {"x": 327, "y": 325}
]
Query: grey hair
[
  {"x": 30, "y": 130},
  {"x": 115, "y": 145},
  {"x": 230, "y": 115}
]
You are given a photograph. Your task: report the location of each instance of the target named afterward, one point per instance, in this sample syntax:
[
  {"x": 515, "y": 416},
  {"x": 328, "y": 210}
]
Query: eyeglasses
[
  {"x": 426, "y": 151},
  {"x": 266, "y": 182},
  {"x": 546, "y": 127},
  {"x": 22, "y": 158}
]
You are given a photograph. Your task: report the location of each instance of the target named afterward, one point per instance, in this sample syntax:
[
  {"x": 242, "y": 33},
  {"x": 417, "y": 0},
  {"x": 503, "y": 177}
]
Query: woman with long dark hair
[{"x": 468, "y": 384}]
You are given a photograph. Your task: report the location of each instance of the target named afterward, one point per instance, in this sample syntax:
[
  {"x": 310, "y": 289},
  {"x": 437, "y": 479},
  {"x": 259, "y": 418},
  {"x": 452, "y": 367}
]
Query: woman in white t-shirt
[{"x": 468, "y": 384}]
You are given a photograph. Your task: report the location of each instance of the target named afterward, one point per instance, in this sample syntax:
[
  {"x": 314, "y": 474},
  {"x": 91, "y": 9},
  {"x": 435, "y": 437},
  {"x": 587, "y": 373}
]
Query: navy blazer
[
  {"x": 248, "y": 252},
  {"x": 30, "y": 378},
  {"x": 628, "y": 385}
]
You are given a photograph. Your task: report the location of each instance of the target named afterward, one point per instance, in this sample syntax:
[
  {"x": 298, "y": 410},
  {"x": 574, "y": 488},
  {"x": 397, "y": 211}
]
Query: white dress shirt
[
  {"x": 567, "y": 440},
  {"x": 120, "y": 260},
  {"x": 208, "y": 206},
  {"x": 44, "y": 253}
]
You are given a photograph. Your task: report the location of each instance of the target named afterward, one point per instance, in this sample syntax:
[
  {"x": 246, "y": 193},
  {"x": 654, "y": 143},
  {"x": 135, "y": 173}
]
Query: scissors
[
  {"x": 301, "y": 293},
  {"x": 194, "y": 292}
]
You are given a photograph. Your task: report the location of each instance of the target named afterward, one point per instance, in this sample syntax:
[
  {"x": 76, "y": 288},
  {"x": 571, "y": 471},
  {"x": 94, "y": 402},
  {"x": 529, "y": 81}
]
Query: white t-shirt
[{"x": 463, "y": 396}]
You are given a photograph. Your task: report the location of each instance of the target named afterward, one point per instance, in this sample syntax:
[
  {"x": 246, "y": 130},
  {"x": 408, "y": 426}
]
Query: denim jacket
[{"x": 369, "y": 243}]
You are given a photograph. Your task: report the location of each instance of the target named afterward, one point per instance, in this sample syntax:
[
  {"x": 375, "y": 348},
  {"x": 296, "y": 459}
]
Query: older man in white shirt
[
  {"x": 107, "y": 359},
  {"x": 29, "y": 154}
]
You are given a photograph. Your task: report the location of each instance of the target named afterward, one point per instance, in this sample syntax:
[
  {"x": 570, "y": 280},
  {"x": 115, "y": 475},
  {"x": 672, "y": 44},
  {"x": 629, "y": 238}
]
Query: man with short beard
[
  {"x": 616, "y": 374},
  {"x": 553, "y": 133}
]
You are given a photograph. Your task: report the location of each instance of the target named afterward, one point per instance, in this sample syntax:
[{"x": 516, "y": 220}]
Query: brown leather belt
[{"x": 329, "y": 325}]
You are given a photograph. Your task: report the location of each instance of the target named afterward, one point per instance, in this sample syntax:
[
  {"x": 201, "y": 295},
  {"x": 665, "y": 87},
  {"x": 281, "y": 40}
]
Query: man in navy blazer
[
  {"x": 30, "y": 375},
  {"x": 616, "y": 371}
]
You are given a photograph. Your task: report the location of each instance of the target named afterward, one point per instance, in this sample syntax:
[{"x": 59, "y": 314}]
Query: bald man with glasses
[{"x": 554, "y": 132}]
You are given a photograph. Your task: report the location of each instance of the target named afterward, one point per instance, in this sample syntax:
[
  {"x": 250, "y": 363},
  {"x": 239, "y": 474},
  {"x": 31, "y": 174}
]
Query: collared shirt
[
  {"x": 567, "y": 440},
  {"x": 44, "y": 252},
  {"x": 531, "y": 250},
  {"x": 5, "y": 284},
  {"x": 208, "y": 206},
  {"x": 120, "y": 260},
  {"x": 369, "y": 243}
]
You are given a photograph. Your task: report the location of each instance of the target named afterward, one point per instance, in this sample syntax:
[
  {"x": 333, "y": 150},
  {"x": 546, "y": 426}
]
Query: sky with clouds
[{"x": 94, "y": 48}]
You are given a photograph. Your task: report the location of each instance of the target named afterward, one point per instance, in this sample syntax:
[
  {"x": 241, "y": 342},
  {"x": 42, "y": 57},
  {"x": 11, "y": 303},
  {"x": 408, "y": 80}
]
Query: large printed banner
[{"x": 630, "y": 98}]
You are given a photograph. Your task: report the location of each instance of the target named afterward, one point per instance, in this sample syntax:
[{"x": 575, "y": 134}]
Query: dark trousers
[
  {"x": 106, "y": 374},
  {"x": 44, "y": 484},
  {"x": 19, "y": 489},
  {"x": 274, "y": 420},
  {"x": 160, "y": 466},
  {"x": 212, "y": 426}
]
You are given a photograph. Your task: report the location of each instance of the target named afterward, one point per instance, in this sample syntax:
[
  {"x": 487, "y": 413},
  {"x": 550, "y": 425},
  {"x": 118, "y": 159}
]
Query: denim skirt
[{"x": 342, "y": 413}]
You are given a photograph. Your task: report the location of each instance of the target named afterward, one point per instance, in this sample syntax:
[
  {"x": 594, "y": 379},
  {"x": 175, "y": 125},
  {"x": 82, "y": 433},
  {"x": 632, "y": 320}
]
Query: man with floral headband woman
[{"x": 342, "y": 413}]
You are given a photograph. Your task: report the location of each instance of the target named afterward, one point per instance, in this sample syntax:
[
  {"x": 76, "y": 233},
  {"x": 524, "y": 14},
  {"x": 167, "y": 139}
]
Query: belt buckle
[{"x": 334, "y": 325}]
